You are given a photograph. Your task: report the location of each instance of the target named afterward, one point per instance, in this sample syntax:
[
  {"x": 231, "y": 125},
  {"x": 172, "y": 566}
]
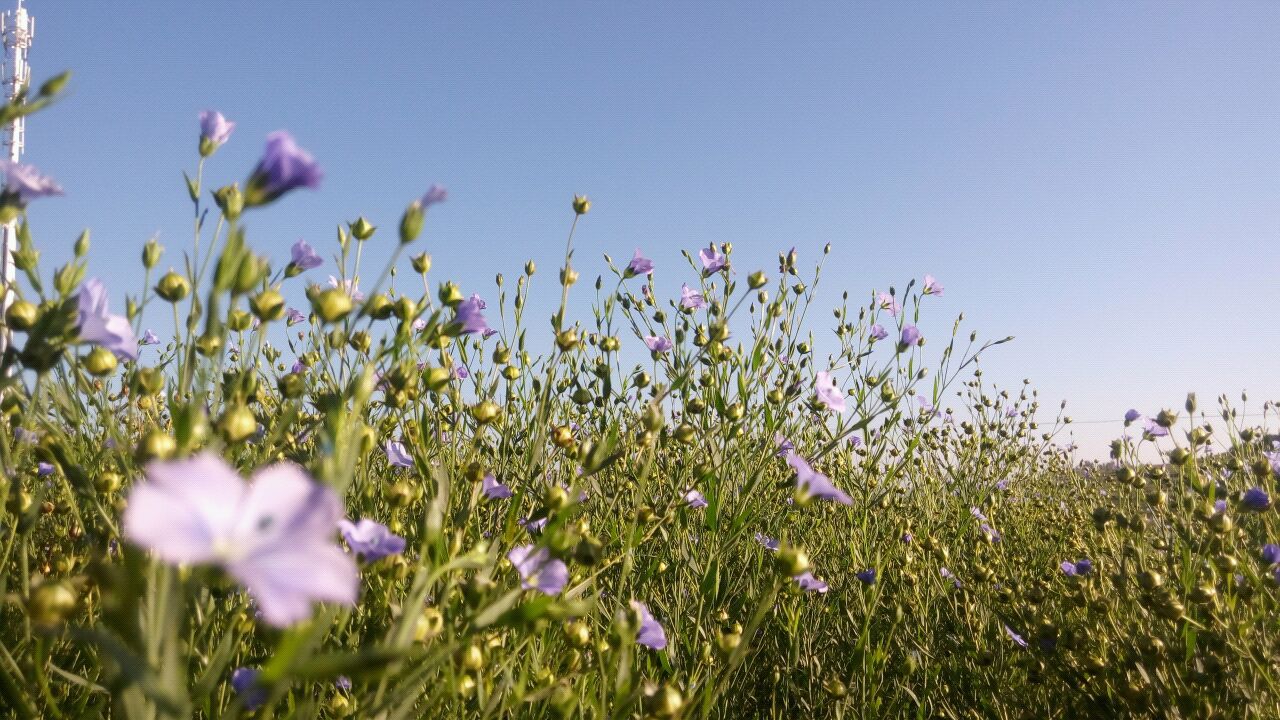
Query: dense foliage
[{"x": 650, "y": 507}]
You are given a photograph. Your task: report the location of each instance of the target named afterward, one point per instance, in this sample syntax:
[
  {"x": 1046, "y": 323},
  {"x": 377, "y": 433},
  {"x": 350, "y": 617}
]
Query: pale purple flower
[
  {"x": 1273, "y": 457},
  {"x": 304, "y": 257},
  {"x": 932, "y": 286},
  {"x": 785, "y": 447},
  {"x": 651, "y": 634},
  {"x": 434, "y": 195},
  {"x": 1155, "y": 430},
  {"x": 829, "y": 393},
  {"x": 1255, "y": 499},
  {"x": 1131, "y": 415},
  {"x": 100, "y": 327},
  {"x": 397, "y": 454},
  {"x": 888, "y": 302},
  {"x": 809, "y": 583},
  {"x": 657, "y": 343},
  {"x": 419, "y": 325},
  {"x": 468, "y": 315},
  {"x": 370, "y": 539},
  {"x": 1015, "y": 636},
  {"x": 712, "y": 260},
  {"x": 878, "y": 332},
  {"x": 273, "y": 535},
  {"x": 691, "y": 299},
  {"x": 538, "y": 570},
  {"x": 245, "y": 683},
  {"x": 533, "y": 527},
  {"x": 867, "y": 577},
  {"x": 461, "y": 373},
  {"x": 926, "y": 407},
  {"x": 766, "y": 542},
  {"x": 492, "y": 489},
  {"x": 343, "y": 683},
  {"x": 26, "y": 182},
  {"x": 298, "y": 367},
  {"x": 350, "y": 286},
  {"x": 990, "y": 533},
  {"x": 44, "y": 468},
  {"x": 25, "y": 436},
  {"x": 1072, "y": 569},
  {"x": 284, "y": 166},
  {"x": 814, "y": 483},
  {"x": 1002, "y": 484},
  {"x": 1219, "y": 506},
  {"x": 293, "y": 316},
  {"x": 910, "y": 335},
  {"x": 639, "y": 265},
  {"x": 977, "y": 514},
  {"x": 149, "y": 338},
  {"x": 694, "y": 500},
  {"x": 214, "y": 127}
]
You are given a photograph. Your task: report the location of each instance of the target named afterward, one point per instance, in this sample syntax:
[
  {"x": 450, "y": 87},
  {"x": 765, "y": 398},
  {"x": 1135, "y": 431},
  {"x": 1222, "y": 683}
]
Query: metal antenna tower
[{"x": 17, "y": 28}]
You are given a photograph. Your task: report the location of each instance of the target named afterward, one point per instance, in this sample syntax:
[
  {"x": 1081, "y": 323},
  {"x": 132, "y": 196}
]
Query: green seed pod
[
  {"x": 173, "y": 287},
  {"x": 100, "y": 362},
  {"x": 22, "y": 315}
]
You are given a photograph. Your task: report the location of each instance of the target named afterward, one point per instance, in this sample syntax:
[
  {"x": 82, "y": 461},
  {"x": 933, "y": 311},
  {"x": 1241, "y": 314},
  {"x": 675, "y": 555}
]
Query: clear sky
[{"x": 1101, "y": 180}]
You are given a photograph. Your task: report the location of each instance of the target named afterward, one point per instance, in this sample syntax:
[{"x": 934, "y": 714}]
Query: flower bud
[
  {"x": 173, "y": 287},
  {"x": 486, "y": 412},
  {"x": 791, "y": 561},
  {"x": 21, "y": 315},
  {"x": 100, "y": 362},
  {"x": 82, "y": 244},
  {"x": 229, "y": 200},
  {"x": 581, "y": 204},
  {"x": 757, "y": 280},
  {"x": 239, "y": 320},
  {"x": 362, "y": 229},
  {"x": 155, "y": 445},
  {"x": 50, "y": 604},
  {"x": 450, "y": 294},
  {"x": 151, "y": 253},
  {"x": 421, "y": 263},
  {"x": 268, "y": 305},
  {"x": 237, "y": 424},
  {"x": 664, "y": 701},
  {"x": 411, "y": 222},
  {"x": 331, "y": 305}
]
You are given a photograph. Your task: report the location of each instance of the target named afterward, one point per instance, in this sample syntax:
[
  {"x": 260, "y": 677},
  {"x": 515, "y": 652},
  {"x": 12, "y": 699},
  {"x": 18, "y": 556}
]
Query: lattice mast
[{"x": 17, "y": 28}]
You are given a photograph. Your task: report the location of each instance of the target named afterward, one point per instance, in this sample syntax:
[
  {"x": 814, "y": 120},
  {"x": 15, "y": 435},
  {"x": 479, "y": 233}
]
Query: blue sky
[{"x": 1099, "y": 180}]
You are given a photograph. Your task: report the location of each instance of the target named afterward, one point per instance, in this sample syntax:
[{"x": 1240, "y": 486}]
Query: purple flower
[
  {"x": 215, "y": 128},
  {"x": 990, "y": 533},
  {"x": 910, "y": 336},
  {"x": 809, "y": 583},
  {"x": 492, "y": 489},
  {"x": 100, "y": 327},
  {"x": 932, "y": 286},
  {"x": 926, "y": 407},
  {"x": 785, "y": 447},
  {"x": 1273, "y": 457},
  {"x": 1255, "y": 499},
  {"x": 397, "y": 454},
  {"x": 343, "y": 683},
  {"x": 274, "y": 535},
  {"x": 712, "y": 260},
  {"x": 1155, "y": 430},
  {"x": 1015, "y": 636},
  {"x": 419, "y": 325},
  {"x": 468, "y": 315},
  {"x": 651, "y": 634},
  {"x": 293, "y": 316},
  {"x": 1271, "y": 554},
  {"x": 149, "y": 338},
  {"x": 766, "y": 542},
  {"x": 1002, "y": 484},
  {"x": 284, "y": 166},
  {"x": 370, "y": 539},
  {"x": 26, "y": 182},
  {"x": 1131, "y": 415},
  {"x": 907, "y": 538},
  {"x": 694, "y": 499},
  {"x": 815, "y": 484},
  {"x": 1080, "y": 567},
  {"x": 639, "y": 265},
  {"x": 657, "y": 343},
  {"x": 538, "y": 570},
  {"x": 691, "y": 299},
  {"x": 1219, "y": 506},
  {"x": 245, "y": 682},
  {"x": 435, "y": 194},
  {"x": 828, "y": 393},
  {"x": 878, "y": 332},
  {"x": 25, "y": 436},
  {"x": 303, "y": 256},
  {"x": 533, "y": 527},
  {"x": 867, "y": 576},
  {"x": 888, "y": 302},
  {"x": 977, "y": 514},
  {"x": 43, "y": 469}
]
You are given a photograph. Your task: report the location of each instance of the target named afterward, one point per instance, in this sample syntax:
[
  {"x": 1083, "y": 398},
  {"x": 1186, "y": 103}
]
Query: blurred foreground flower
[
  {"x": 829, "y": 393},
  {"x": 284, "y": 166},
  {"x": 23, "y": 183},
  {"x": 814, "y": 484},
  {"x": 397, "y": 455},
  {"x": 273, "y": 535}
]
